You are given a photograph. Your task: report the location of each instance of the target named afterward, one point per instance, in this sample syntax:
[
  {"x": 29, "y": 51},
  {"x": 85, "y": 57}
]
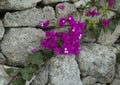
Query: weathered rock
[
  {"x": 115, "y": 82},
  {"x": 89, "y": 80},
  {"x": 19, "y": 42},
  {"x": 117, "y": 5},
  {"x": 99, "y": 84},
  {"x": 17, "y": 4},
  {"x": 42, "y": 77},
  {"x": 31, "y": 17},
  {"x": 61, "y": 70},
  {"x": 56, "y": 1},
  {"x": 4, "y": 78},
  {"x": 117, "y": 73},
  {"x": 2, "y": 30},
  {"x": 108, "y": 38},
  {"x": 97, "y": 61},
  {"x": 2, "y": 59},
  {"x": 69, "y": 8}
]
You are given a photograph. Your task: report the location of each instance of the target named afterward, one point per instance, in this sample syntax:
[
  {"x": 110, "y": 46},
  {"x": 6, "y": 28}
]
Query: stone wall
[{"x": 20, "y": 32}]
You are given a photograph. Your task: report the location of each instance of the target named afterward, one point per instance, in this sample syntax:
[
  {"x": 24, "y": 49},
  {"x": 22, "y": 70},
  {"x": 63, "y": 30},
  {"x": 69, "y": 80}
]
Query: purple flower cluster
[
  {"x": 93, "y": 13},
  {"x": 106, "y": 22},
  {"x": 111, "y": 3},
  {"x": 65, "y": 43}
]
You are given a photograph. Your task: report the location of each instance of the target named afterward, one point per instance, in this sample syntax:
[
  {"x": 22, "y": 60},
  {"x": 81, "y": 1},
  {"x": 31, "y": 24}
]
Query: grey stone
[
  {"x": 97, "y": 61},
  {"x": 89, "y": 80},
  {"x": 18, "y": 43},
  {"x": 42, "y": 77},
  {"x": 108, "y": 38},
  {"x": 117, "y": 73},
  {"x": 69, "y": 9},
  {"x": 4, "y": 78},
  {"x": 56, "y": 1},
  {"x": 31, "y": 17},
  {"x": 99, "y": 84},
  {"x": 117, "y": 5},
  {"x": 2, "y": 30},
  {"x": 2, "y": 59},
  {"x": 115, "y": 82},
  {"x": 17, "y": 4},
  {"x": 61, "y": 70}
]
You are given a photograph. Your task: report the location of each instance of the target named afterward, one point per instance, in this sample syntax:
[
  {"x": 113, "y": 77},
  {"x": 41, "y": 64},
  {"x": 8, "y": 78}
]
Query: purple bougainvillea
[
  {"x": 111, "y": 3},
  {"x": 44, "y": 24},
  {"x": 65, "y": 43},
  {"x": 106, "y": 22},
  {"x": 62, "y": 7}
]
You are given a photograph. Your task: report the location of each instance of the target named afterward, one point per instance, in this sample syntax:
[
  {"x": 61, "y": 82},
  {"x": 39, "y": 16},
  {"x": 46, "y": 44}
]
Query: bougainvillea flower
[
  {"x": 110, "y": 3},
  {"x": 35, "y": 50},
  {"x": 62, "y": 7},
  {"x": 62, "y": 22},
  {"x": 106, "y": 22},
  {"x": 93, "y": 13},
  {"x": 44, "y": 24}
]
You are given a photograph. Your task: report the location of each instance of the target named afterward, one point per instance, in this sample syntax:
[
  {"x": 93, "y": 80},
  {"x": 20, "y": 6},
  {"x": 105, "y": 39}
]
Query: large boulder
[
  {"x": 17, "y": 4},
  {"x": 18, "y": 43},
  {"x": 2, "y": 30},
  {"x": 60, "y": 70},
  {"x": 31, "y": 17},
  {"x": 115, "y": 82},
  {"x": 97, "y": 61},
  {"x": 2, "y": 59}
]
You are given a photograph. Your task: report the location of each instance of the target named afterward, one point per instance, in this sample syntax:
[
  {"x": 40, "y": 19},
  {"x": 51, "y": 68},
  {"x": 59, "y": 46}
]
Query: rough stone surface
[
  {"x": 115, "y": 82},
  {"x": 117, "y": 73},
  {"x": 4, "y": 78},
  {"x": 31, "y": 17},
  {"x": 69, "y": 8},
  {"x": 89, "y": 80},
  {"x": 2, "y": 59},
  {"x": 99, "y": 84},
  {"x": 42, "y": 77},
  {"x": 106, "y": 38},
  {"x": 2, "y": 30},
  {"x": 56, "y": 1},
  {"x": 63, "y": 70},
  {"x": 19, "y": 42},
  {"x": 17, "y": 4},
  {"x": 97, "y": 61}
]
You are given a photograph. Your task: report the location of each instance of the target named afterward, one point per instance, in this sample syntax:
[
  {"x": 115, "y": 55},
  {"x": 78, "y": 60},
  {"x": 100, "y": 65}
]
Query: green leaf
[
  {"x": 18, "y": 81},
  {"x": 10, "y": 71},
  {"x": 27, "y": 73},
  {"x": 118, "y": 57},
  {"x": 36, "y": 58}
]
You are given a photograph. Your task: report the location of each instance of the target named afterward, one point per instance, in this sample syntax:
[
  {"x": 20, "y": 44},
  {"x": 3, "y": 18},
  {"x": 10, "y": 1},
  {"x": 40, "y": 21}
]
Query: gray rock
[
  {"x": 17, "y": 4},
  {"x": 99, "y": 84},
  {"x": 69, "y": 9},
  {"x": 2, "y": 30},
  {"x": 31, "y": 17},
  {"x": 56, "y": 1},
  {"x": 117, "y": 73},
  {"x": 61, "y": 70},
  {"x": 19, "y": 42},
  {"x": 4, "y": 78},
  {"x": 108, "y": 38},
  {"x": 42, "y": 77},
  {"x": 117, "y": 5},
  {"x": 97, "y": 61},
  {"x": 89, "y": 80},
  {"x": 115, "y": 82},
  {"x": 2, "y": 59}
]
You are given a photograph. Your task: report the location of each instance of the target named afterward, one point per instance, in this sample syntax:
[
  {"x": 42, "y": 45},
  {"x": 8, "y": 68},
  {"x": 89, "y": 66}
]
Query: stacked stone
[{"x": 19, "y": 33}]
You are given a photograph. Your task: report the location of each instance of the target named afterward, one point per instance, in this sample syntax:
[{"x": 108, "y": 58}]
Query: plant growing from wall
[{"x": 67, "y": 42}]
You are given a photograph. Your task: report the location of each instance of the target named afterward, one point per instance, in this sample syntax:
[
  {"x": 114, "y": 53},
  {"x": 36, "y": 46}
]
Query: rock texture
[
  {"x": 17, "y": 4},
  {"x": 89, "y": 80},
  {"x": 2, "y": 30},
  {"x": 108, "y": 38},
  {"x": 63, "y": 70},
  {"x": 4, "y": 78},
  {"x": 31, "y": 17},
  {"x": 19, "y": 42},
  {"x": 97, "y": 61},
  {"x": 115, "y": 82},
  {"x": 2, "y": 59},
  {"x": 68, "y": 9},
  {"x": 117, "y": 73}
]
